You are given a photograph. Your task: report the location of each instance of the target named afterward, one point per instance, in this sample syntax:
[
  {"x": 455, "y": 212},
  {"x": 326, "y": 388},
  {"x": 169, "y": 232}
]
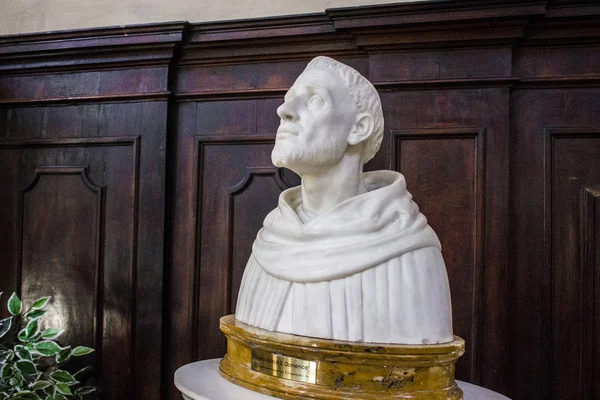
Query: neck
[{"x": 323, "y": 190}]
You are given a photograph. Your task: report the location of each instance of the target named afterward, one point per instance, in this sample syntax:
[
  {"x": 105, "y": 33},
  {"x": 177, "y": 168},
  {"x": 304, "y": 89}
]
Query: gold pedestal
[{"x": 292, "y": 367}]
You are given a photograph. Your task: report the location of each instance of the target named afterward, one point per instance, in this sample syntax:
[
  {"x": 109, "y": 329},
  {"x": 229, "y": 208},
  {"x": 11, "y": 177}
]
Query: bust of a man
[{"x": 347, "y": 255}]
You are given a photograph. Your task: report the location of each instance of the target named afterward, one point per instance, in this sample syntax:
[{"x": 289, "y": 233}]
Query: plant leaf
[
  {"x": 15, "y": 306},
  {"x": 35, "y": 314},
  {"x": 63, "y": 388},
  {"x": 47, "y": 348},
  {"x": 6, "y": 356},
  {"x": 40, "y": 385},
  {"x": 50, "y": 390},
  {"x": 64, "y": 355},
  {"x": 81, "y": 371},
  {"x": 5, "y": 326},
  {"x": 61, "y": 376},
  {"x": 23, "y": 353},
  {"x": 52, "y": 333},
  {"x": 56, "y": 396},
  {"x": 6, "y": 371},
  {"x": 31, "y": 328},
  {"x": 27, "y": 395},
  {"x": 82, "y": 351},
  {"x": 23, "y": 335},
  {"x": 26, "y": 367},
  {"x": 85, "y": 390},
  {"x": 17, "y": 381},
  {"x": 40, "y": 303}
]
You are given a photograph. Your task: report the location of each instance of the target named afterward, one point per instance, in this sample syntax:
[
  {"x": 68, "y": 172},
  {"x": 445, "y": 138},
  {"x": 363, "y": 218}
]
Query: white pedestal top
[{"x": 201, "y": 381}]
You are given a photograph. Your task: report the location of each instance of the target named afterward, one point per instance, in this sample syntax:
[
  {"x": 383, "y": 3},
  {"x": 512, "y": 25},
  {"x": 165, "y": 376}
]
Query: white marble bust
[{"x": 347, "y": 255}]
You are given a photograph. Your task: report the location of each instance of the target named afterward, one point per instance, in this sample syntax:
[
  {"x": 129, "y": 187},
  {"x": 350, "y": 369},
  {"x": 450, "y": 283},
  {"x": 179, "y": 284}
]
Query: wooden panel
[
  {"x": 444, "y": 170},
  {"x": 63, "y": 250},
  {"x": 590, "y": 258},
  {"x": 95, "y": 99},
  {"x": 445, "y": 113},
  {"x": 238, "y": 187},
  {"x": 571, "y": 166},
  {"x": 549, "y": 169},
  {"x": 249, "y": 77},
  {"x": 83, "y": 84},
  {"x": 131, "y": 170},
  {"x": 549, "y": 62},
  {"x": 435, "y": 64},
  {"x": 76, "y": 241},
  {"x": 223, "y": 169},
  {"x": 251, "y": 117}
]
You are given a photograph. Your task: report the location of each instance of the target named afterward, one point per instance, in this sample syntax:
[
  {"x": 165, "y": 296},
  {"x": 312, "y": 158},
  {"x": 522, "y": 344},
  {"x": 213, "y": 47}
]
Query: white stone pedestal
[{"x": 201, "y": 381}]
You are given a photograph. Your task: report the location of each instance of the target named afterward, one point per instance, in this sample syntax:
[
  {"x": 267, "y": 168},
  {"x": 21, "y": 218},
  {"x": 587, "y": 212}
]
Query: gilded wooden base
[{"x": 257, "y": 359}]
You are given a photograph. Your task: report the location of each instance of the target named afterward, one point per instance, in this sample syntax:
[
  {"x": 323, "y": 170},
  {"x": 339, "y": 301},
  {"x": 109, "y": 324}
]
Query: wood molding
[
  {"x": 590, "y": 261},
  {"x": 108, "y": 98},
  {"x": 90, "y": 49},
  {"x": 432, "y": 13},
  {"x": 71, "y": 142},
  {"x": 551, "y": 269}
]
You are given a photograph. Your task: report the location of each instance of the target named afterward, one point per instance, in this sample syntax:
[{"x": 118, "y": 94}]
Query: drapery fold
[{"x": 369, "y": 269}]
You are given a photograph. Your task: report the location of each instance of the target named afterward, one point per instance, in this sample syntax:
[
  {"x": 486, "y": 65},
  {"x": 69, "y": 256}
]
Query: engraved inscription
[{"x": 284, "y": 367}]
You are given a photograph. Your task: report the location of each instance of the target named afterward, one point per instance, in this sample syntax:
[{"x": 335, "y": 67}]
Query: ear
[{"x": 362, "y": 130}]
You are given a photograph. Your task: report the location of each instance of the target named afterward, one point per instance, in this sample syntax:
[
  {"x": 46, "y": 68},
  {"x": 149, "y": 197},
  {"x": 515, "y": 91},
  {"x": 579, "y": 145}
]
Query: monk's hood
[{"x": 357, "y": 234}]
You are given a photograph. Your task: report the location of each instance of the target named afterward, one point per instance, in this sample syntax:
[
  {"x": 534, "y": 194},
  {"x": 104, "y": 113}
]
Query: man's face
[{"x": 316, "y": 119}]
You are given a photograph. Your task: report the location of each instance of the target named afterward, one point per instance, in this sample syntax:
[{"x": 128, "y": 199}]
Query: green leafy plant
[{"x": 31, "y": 359}]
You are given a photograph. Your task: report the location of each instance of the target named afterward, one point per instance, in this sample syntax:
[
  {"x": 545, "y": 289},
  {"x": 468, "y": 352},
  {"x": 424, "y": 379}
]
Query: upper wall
[{"x": 50, "y": 15}]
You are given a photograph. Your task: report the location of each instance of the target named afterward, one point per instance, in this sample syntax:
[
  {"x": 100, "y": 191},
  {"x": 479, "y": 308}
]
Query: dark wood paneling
[
  {"x": 93, "y": 49},
  {"x": 83, "y": 126},
  {"x": 75, "y": 241},
  {"x": 441, "y": 114},
  {"x": 491, "y": 112},
  {"x": 590, "y": 275},
  {"x": 63, "y": 250},
  {"x": 83, "y": 84},
  {"x": 550, "y": 62},
  {"x": 444, "y": 170},
  {"x": 103, "y": 273},
  {"x": 248, "y": 78},
  {"x": 550, "y": 166},
  {"x": 435, "y": 64},
  {"x": 571, "y": 166},
  {"x": 233, "y": 179}
]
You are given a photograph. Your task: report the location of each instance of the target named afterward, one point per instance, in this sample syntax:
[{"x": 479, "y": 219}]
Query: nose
[{"x": 286, "y": 112}]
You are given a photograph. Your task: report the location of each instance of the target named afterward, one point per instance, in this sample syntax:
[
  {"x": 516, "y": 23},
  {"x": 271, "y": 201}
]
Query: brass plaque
[{"x": 284, "y": 367}]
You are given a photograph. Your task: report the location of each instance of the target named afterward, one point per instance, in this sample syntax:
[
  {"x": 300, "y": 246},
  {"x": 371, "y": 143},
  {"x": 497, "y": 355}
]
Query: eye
[{"x": 316, "y": 101}]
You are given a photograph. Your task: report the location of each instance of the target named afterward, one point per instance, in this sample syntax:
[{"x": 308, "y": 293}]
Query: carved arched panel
[
  {"x": 70, "y": 212},
  {"x": 61, "y": 238},
  {"x": 237, "y": 186}
]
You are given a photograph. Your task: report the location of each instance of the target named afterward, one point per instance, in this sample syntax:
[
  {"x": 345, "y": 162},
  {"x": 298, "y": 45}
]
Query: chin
[
  {"x": 282, "y": 162},
  {"x": 283, "y": 155},
  {"x": 305, "y": 159},
  {"x": 278, "y": 162}
]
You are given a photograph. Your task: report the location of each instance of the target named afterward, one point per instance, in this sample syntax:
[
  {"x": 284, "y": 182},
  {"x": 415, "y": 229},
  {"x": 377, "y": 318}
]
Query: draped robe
[{"x": 369, "y": 269}]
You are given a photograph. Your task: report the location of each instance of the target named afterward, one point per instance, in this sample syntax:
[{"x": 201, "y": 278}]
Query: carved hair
[{"x": 365, "y": 97}]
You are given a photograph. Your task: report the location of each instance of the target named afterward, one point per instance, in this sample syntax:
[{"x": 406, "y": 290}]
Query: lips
[{"x": 287, "y": 130}]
